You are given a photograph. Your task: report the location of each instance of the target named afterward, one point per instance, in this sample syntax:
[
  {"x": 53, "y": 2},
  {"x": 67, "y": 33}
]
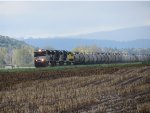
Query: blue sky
[{"x": 43, "y": 19}]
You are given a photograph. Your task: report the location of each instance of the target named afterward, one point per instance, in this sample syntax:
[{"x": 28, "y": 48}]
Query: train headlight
[
  {"x": 40, "y": 50},
  {"x": 42, "y": 60},
  {"x": 36, "y": 60}
]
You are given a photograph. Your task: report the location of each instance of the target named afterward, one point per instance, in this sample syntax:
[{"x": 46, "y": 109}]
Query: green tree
[{"x": 87, "y": 49}]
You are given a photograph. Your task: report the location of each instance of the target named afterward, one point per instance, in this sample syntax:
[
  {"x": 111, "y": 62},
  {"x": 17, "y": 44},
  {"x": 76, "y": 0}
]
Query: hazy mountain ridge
[
  {"x": 69, "y": 44},
  {"x": 124, "y": 36}
]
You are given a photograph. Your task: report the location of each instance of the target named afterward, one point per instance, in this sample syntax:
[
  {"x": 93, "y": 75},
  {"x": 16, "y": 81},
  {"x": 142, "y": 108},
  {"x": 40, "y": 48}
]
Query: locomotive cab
[{"x": 41, "y": 58}]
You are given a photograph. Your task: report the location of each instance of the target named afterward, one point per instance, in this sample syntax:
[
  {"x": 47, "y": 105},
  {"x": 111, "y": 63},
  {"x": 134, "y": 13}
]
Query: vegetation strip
[{"x": 72, "y": 67}]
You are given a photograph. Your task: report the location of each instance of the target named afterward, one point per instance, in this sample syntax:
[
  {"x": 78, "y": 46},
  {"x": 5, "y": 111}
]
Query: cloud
[
  {"x": 70, "y": 18},
  {"x": 13, "y": 8}
]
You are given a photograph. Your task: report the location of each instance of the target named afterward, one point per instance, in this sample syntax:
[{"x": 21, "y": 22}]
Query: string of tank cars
[{"x": 43, "y": 58}]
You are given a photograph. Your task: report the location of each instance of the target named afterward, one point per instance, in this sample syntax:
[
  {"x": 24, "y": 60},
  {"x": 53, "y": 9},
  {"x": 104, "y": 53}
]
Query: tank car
[
  {"x": 99, "y": 58},
  {"x": 78, "y": 58},
  {"x": 102, "y": 57},
  {"x": 86, "y": 58},
  {"x": 95, "y": 59}
]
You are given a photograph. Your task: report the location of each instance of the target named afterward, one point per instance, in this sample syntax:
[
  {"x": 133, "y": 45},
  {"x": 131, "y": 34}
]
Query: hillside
[
  {"x": 15, "y": 52},
  {"x": 124, "y": 34},
  {"x": 125, "y": 39},
  {"x": 7, "y": 42},
  {"x": 94, "y": 89}
]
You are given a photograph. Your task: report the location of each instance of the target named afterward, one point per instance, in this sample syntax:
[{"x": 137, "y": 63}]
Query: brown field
[{"x": 77, "y": 90}]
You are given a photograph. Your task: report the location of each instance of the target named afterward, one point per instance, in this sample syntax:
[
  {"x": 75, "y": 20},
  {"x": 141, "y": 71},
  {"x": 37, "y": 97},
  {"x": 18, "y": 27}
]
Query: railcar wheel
[
  {"x": 46, "y": 64},
  {"x": 74, "y": 63},
  {"x": 68, "y": 63},
  {"x": 61, "y": 63},
  {"x": 52, "y": 63},
  {"x": 36, "y": 66}
]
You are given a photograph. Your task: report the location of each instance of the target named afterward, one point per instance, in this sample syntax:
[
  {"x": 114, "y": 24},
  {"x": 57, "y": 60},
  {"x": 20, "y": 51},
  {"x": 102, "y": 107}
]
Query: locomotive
[
  {"x": 52, "y": 57},
  {"x": 43, "y": 58}
]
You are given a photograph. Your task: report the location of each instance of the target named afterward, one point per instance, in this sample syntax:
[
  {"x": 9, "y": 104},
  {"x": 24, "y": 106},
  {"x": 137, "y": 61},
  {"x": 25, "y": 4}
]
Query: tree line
[
  {"x": 15, "y": 52},
  {"x": 95, "y": 48}
]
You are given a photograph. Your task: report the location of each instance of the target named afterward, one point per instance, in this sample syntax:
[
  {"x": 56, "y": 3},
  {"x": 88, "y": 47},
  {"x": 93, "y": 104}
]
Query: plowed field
[{"x": 124, "y": 89}]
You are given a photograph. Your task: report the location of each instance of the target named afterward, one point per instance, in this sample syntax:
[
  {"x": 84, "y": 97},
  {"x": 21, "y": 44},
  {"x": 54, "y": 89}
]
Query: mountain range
[{"x": 136, "y": 37}]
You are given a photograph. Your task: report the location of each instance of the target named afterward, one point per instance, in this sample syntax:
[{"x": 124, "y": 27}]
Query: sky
[{"x": 64, "y": 18}]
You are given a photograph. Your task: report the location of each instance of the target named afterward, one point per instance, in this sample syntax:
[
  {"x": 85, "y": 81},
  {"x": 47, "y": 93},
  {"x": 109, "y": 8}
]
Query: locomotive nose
[{"x": 39, "y": 59}]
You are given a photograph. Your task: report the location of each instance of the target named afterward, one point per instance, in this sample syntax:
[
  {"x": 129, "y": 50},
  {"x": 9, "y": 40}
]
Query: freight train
[{"x": 43, "y": 58}]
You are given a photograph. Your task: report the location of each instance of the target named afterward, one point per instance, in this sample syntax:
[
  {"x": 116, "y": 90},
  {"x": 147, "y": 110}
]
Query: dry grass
[{"x": 83, "y": 90}]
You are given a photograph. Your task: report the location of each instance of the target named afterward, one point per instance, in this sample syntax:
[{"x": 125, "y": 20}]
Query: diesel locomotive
[{"x": 43, "y": 58}]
